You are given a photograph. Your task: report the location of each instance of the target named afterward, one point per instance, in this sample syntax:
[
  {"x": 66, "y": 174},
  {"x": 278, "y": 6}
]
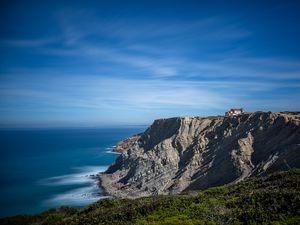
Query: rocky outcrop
[
  {"x": 126, "y": 143},
  {"x": 188, "y": 153}
]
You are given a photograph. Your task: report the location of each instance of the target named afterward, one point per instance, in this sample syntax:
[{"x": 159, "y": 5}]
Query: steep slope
[{"x": 189, "y": 153}]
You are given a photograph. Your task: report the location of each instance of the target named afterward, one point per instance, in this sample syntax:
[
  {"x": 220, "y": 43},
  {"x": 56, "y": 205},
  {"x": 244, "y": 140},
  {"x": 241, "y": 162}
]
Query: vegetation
[{"x": 269, "y": 200}]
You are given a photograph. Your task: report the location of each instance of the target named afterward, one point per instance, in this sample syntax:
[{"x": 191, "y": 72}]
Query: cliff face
[{"x": 188, "y": 153}]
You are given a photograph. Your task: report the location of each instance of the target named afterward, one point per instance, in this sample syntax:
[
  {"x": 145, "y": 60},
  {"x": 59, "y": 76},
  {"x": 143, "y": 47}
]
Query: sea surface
[{"x": 44, "y": 168}]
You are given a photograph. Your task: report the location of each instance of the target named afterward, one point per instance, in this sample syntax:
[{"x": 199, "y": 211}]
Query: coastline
[
  {"x": 104, "y": 191},
  {"x": 103, "y": 186},
  {"x": 155, "y": 162},
  {"x": 108, "y": 183}
]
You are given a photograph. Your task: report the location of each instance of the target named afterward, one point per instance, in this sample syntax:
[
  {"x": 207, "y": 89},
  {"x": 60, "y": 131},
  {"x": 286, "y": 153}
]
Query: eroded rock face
[
  {"x": 187, "y": 153},
  {"x": 126, "y": 143}
]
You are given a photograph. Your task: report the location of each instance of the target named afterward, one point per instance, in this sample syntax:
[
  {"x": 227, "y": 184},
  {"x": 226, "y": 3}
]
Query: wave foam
[
  {"x": 79, "y": 196},
  {"x": 83, "y": 176},
  {"x": 112, "y": 152},
  {"x": 76, "y": 197}
]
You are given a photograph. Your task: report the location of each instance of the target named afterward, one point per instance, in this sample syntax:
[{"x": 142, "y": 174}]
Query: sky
[{"x": 102, "y": 63}]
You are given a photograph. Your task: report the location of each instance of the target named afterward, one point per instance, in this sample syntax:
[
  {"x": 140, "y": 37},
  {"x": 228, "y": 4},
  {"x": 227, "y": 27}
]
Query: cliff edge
[{"x": 191, "y": 153}]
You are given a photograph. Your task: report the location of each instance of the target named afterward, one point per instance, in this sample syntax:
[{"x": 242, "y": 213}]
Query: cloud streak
[
  {"x": 100, "y": 67},
  {"x": 111, "y": 94}
]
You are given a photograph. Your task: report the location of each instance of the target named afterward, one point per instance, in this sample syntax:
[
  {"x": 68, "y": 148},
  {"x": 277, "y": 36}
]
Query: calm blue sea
[{"x": 43, "y": 168}]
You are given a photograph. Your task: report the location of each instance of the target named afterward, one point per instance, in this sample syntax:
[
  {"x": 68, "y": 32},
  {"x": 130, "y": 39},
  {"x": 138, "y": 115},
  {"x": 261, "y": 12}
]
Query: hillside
[
  {"x": 274, "y": 199},
  {"x": 192, "y": 153}
]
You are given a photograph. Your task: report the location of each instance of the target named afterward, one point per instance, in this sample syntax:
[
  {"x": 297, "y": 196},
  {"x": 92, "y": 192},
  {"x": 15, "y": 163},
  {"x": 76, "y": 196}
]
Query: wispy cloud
[
  {"x": 179, "y": 66},
  {"x": 96, "y": 92},
  {"x": 87, "y": 91},
  {"x": 104, "y": 68},
  {"x": 156, "y": 58}
]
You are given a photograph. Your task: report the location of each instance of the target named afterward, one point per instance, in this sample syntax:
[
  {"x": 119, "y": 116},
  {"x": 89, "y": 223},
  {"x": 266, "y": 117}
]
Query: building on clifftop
[{"x": 234, "y": 112}]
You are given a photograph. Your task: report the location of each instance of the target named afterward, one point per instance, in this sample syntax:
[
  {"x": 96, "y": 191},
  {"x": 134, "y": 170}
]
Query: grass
[{"x": 270, "y": 200}]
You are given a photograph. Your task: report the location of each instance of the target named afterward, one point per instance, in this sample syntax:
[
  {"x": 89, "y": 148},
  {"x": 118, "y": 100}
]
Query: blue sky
[{"x": 101, "y": 63}]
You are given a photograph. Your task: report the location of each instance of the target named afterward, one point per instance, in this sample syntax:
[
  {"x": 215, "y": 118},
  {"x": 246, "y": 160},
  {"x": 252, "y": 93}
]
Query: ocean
[{"x": 46, "y": 168}]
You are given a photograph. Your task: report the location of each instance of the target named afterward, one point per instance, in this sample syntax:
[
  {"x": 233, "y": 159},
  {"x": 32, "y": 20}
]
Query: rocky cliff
[{"x": 188, "y": 153}]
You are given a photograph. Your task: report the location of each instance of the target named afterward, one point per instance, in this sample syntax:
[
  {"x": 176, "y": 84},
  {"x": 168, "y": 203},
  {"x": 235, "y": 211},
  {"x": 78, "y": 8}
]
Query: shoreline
[
  {"x": 104, "y": 192},
  {"x": 150, "y": 162},
  {"x": 107, "y": 184},
  {"x": 111, "y": 187}
]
